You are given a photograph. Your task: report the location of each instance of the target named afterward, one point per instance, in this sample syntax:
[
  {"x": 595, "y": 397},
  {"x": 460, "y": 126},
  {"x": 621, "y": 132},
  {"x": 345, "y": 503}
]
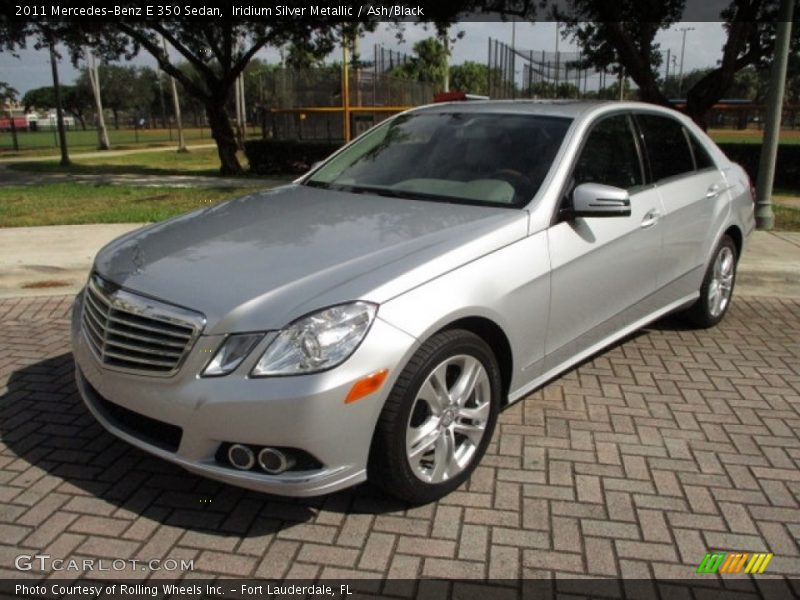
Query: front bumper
[{"x": 305, "y": 412}]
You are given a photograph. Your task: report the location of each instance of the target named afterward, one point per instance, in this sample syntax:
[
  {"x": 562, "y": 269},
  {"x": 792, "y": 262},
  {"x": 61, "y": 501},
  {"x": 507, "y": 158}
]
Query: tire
[
  {"x": 717, "y": 289},
  {"x": 428, "y": 443}
]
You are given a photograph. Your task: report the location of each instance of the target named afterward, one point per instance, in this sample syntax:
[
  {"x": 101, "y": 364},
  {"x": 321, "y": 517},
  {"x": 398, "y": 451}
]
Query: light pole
[
  {"x": 765, "y": 217},
  {"x": 558, "y": 65},
  {"x": 683, "y": 49},
  {"x": 513, "y": 55}
]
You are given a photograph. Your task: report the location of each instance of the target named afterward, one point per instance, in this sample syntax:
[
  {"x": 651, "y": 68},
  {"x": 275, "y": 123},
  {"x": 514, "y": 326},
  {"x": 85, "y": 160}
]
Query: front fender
[{"x": 510, "y": 287}]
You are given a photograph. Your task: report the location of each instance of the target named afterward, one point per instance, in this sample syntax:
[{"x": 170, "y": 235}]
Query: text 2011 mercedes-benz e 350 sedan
[{"x": 371, "y": 319}]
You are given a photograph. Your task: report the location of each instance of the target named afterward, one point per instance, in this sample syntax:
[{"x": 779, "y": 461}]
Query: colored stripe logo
[{"x": 732, "y": 563}]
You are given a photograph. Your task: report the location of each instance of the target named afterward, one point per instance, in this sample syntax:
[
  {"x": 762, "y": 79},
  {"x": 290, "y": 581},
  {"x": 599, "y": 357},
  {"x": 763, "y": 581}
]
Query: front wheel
[
  {"x": 438, "y": 419},
  {"x": 717, "y": 288}
]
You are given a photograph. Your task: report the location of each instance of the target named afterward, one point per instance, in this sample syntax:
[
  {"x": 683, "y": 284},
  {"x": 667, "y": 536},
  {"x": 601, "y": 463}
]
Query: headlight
[
  {"x": 317, "y": 342},
  {"x": 231, "y": 353}
]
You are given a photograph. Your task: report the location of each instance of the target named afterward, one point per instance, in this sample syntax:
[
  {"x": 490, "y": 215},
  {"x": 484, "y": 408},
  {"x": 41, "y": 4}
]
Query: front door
[{"x": 604, "y": 269}]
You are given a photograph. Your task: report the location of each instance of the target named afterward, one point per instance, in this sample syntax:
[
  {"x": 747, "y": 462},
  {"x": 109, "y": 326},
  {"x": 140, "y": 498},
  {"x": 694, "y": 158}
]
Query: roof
[
  {"x": 555, "y": 108},
  {"x": 571, "y": 109}
]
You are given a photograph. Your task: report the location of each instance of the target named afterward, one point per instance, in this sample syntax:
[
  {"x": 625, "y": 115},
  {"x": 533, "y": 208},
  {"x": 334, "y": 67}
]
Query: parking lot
[{"x": 672, "y": 444}]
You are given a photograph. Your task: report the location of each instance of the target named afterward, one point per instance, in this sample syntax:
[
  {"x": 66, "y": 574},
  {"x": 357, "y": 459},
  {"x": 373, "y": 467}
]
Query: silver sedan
[{"x": 372, "y": 319}]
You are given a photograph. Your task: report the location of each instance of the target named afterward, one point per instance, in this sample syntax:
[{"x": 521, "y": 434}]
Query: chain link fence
[
  {"x": 522, "y": 73},
  {"x": 308, "y": 105}
]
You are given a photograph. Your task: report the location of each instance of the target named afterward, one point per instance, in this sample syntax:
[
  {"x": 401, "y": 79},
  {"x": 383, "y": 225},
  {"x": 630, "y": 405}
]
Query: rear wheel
[
  {"x": 438, "y": 419},
  {"x": 717, "y": 288}
]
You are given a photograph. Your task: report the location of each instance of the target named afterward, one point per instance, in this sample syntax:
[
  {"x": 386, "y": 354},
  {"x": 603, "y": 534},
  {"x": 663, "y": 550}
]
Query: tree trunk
[
  {"x": 116, "y": 118},
  {"x": 706, "y": 93},
  {"x": 222, "y": 132},
  {"x": 15, "y": 141}
]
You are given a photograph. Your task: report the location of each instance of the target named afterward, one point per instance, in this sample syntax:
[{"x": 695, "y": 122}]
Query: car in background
[{"x": 371, "y": 319}]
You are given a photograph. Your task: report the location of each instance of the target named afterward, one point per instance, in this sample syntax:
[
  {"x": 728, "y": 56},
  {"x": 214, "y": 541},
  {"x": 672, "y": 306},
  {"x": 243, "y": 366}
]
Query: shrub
[
  {"x": 270, "y": 157},
  {"x": 787, "y": 168}
]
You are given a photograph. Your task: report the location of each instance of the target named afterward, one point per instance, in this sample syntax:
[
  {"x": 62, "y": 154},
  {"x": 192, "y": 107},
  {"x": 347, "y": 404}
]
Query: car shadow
[
  {"x": 674, "y": 322},
  {"x": 46, "y": 425}
]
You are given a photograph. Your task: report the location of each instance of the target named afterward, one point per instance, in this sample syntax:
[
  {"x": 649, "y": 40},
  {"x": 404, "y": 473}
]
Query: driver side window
[{"x": 610, "y": 156}]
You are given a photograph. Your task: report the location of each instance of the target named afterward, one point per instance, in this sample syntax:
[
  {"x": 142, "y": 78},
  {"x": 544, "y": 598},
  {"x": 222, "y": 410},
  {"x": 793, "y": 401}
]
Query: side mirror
[{"x": 598, "y": 200}]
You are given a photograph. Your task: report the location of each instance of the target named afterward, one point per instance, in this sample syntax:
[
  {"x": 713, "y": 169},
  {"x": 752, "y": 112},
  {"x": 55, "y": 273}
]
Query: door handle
[
  {"x": 714, "y": 191},
  {"x": 650, "y": 219}
]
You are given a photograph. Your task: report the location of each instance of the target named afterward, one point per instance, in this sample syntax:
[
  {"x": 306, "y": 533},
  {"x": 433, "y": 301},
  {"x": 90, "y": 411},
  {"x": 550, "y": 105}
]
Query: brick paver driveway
[{"x": 637, "y": 463}]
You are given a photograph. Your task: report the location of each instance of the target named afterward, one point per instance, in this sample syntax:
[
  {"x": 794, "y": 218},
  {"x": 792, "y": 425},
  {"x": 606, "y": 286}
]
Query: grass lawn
[
  {"x": 787, "y": 218},
  {"x": 76, "y": 203},
  {"x": 79, "y": 139},
  {"x": 751, "y": 136},
  {"x": 43, "y": 143},
  {"x": 203, "y": 161}
]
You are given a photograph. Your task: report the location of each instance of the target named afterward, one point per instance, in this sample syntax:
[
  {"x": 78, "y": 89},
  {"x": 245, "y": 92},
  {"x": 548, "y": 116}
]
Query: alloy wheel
[
  {"x": 721, "y": 285},
  {"x": 448, "y": 419}
]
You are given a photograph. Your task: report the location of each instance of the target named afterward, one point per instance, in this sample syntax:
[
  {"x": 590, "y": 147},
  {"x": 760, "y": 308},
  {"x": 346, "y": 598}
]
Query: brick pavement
[{"x": 671, "y": 444}]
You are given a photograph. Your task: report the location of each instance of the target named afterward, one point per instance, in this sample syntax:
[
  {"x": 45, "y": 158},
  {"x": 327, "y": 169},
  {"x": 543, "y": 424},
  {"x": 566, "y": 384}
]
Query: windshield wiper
[
  {"x": 318, "y": 184},
  {"x": 409, "y": 195},
  {"x": 378, "y": 191},
  {"x": 367, "y": 189}
]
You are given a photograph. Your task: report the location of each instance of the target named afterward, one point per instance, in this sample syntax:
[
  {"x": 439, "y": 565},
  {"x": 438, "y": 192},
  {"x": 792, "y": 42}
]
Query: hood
[{"x": 261, "y": 261}]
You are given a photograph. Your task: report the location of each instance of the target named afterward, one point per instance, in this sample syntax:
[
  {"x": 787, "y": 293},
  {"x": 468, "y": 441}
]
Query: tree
[
  {"x": 300, "y": 56},
  {"x": 7, "y": 93},
  {"x": 750, "y": 84},
  {"x": 76, "y": 102},
  {"x": 14, "y": 33},
  {"x": 471, "y": 77},
  {"x": 42, "y": 97},
  {"x": 623, "y": 33},
  {"x": 125, "y": 88},
  {"x": 76, "y": 99},
  {"x": 428, "y": 64},
  {"x": 190, "y": 103},
  {"x": 548, "y": 89},
  {"x": 8, "y": 96},
  {"x": 218, "y": 49}
]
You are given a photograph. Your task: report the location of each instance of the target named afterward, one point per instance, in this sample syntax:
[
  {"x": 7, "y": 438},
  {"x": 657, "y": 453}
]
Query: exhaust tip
[
  {"x": 241, "y": 457},
  {"x": 274, "y": 461}
]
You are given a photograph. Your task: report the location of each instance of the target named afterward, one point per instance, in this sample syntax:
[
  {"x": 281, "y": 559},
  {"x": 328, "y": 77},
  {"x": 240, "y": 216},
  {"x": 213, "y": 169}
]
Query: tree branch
[
  {"x": 163, "y": 60},
  {"x": 199, "y": 64}
]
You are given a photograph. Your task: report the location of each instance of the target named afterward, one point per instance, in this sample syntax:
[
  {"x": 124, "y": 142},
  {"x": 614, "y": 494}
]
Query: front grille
[{"x": 134, "y": 333}]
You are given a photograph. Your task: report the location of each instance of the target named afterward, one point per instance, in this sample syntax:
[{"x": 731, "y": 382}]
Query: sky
[{"x": 703, "y": 48}]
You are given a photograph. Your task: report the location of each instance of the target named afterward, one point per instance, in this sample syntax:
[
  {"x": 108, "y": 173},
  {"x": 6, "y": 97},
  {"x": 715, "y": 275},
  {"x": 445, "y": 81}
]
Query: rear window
[
  {"x": 702, "y": 160},
  {"x": 667, "y": 148}
]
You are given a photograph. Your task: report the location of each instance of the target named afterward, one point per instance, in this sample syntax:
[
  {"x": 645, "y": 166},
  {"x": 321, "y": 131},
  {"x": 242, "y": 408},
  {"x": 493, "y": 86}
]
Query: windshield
[{"x": 470, "y": 158}]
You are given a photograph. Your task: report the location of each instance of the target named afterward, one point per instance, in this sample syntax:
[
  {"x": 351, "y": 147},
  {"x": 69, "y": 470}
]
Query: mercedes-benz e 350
[{"x": 371, "y": 319}]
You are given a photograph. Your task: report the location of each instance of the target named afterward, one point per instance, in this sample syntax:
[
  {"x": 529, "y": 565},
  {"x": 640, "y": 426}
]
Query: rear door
[
  {"x": 691, "y": 187},
  {"x": 603, "y": 268}
]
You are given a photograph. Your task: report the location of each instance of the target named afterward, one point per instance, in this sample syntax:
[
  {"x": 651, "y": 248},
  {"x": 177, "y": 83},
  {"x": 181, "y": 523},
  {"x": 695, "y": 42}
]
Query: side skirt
[{"x": 594, "y": 349}]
